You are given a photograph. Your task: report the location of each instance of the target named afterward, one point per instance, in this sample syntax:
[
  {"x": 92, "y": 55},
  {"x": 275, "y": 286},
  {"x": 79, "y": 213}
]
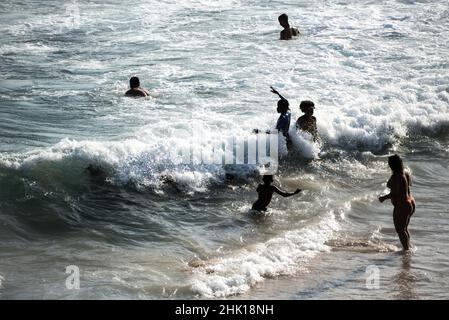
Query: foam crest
[{"x": 283, "y": 255}]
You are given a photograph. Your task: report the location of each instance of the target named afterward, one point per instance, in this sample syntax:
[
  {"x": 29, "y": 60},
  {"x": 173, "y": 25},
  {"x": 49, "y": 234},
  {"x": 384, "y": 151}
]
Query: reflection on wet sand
[{"x": 404, "y": 281}]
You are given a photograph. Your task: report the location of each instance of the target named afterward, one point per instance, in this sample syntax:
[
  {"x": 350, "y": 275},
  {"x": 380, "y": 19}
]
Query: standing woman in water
[{"x": 401, "y": 198}]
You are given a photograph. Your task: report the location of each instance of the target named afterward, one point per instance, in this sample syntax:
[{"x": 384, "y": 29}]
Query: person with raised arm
[{"x": 265, "y": 193}]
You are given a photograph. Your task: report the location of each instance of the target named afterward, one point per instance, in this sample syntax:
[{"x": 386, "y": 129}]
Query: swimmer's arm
[
  {"x": 409, "y": 178},
  {"x": 285, "y": 194},
  {"x": 276, "y": 92},
  {"x": 385, "y": 197}
]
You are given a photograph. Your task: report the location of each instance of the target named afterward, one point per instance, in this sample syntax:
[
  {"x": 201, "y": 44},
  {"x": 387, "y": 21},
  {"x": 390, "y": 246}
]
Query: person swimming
[
  {"x": 307, "y": 122},
  {"x": 265, "y": 192},
  {"x": 401, "y": 198},
  {"x": 288, "y": 32},
  {"x": 136, "y": 90}
]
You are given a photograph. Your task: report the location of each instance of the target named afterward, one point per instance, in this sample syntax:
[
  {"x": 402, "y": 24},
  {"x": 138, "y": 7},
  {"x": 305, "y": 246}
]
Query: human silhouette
[
  {"x": 288, "y": 32},
  {"x": 401, "y": 198},
  {"x": 136, "y": 90},
  {"x": 307, "y": 122}
]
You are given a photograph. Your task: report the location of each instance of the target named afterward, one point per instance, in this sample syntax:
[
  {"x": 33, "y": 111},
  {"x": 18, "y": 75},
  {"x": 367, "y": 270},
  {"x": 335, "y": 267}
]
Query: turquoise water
[{"x": 150, "y": 228}]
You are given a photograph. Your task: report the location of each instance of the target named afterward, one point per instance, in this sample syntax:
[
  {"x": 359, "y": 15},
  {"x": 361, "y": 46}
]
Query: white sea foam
[
  {"x": 303, "y": 144},
  {"x": 148, "y": 160},
  {"x": 145, "y": 164},
  {"x": 368, "y": 91},
  {"x": 283, "y": 255}
]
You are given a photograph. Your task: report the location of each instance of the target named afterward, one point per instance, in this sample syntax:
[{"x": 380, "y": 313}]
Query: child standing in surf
[{"x": 266, "y": 191}]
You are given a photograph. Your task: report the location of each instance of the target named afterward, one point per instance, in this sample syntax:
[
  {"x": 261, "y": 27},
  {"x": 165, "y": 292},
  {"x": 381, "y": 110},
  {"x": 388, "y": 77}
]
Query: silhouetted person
[
  {"x": 288, "y": 32},
  {"x": 266, "y": 191},
  {"x": 283, "y": 123},
  {"x": 307, "y": 122},
  {"x": 401, "y": 198},
  {"x": 136, "y": 90}
]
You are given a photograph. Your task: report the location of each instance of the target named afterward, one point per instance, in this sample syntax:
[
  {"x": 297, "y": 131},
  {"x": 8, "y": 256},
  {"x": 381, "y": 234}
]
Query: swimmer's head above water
[
  {"x": 283, "y": 20},
  {"x": 267, "y": 179},
  {"x": 307, "y": 107},
  {"x": 134, "y": 82},
  {"x": 265, "y": 192}
]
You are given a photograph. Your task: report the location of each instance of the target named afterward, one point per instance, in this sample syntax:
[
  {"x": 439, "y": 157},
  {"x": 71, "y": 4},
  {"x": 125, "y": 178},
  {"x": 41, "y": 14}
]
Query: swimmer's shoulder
[
  {"x": 300, "y": 120},
  {"x": 135, "y": 93},
  {"x": 284, "y": 35}
]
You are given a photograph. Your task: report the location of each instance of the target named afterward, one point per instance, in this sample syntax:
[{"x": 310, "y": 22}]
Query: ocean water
[{"x": 149, "y": 228}]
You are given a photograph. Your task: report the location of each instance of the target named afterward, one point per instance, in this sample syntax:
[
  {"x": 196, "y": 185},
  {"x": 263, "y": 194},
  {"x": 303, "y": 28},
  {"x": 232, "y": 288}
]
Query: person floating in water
[
  {"x": 266, "y": 191},
  {"x": 401, "y": 198},
  {"x": 136, "y": 90},
  {"x": 288, "y": 32},
  {"x": 307, "y": 122}
]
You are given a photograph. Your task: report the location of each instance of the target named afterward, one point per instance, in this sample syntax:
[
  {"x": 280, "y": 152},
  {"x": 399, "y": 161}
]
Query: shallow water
[{"x": 149, "y": 228}]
